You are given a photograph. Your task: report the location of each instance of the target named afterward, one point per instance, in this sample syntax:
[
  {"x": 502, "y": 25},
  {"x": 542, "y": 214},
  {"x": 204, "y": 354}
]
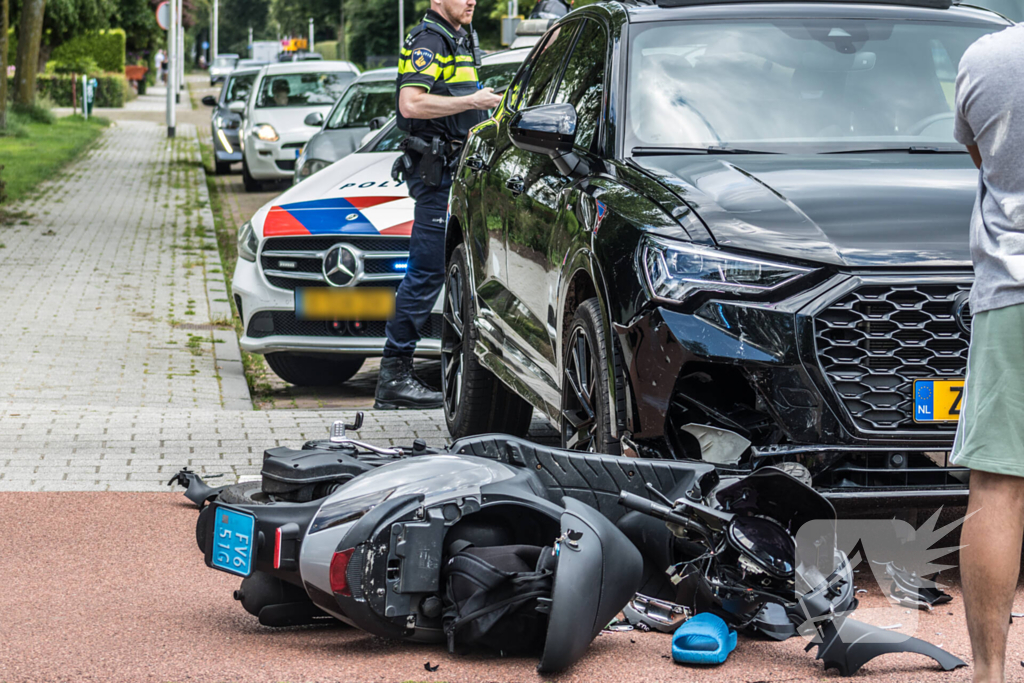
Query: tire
[
  {"x": 586, "y": 421},
  {"x": 222, "y": 167},
  {"x": 250, "y": 183},
  {"x": 475, "y": 401},
  {"x": 314, "y": 371},
  {"x": 246, "y": 493}
]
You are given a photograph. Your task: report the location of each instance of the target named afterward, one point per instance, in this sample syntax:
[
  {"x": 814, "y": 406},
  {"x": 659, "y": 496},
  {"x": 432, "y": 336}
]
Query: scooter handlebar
[{"x": 662, "y": 512}]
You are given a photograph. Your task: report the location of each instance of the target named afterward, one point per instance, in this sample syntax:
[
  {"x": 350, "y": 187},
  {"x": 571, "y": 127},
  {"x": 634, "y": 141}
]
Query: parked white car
[
  {"x": 350, "y": 214},
  {"x": 286, "y": 107}
]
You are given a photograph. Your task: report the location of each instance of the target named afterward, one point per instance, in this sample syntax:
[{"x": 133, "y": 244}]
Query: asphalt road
[{"x": 111, "y": 587}]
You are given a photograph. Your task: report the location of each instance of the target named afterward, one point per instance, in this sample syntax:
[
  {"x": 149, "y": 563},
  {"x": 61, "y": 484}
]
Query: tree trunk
[
  {"x": 30, "y": 35},
  {"x": 4, "y": 9}
]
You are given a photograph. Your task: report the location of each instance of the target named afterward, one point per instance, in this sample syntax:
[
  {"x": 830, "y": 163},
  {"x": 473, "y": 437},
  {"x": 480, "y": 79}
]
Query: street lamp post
[
  {"x": 172, "y": 49},
  {"x": 180, "y": 82},
  {"x": 401, "y": 25},
  {"x": 250, "y": 42},
  {"x": 311, "y": 34},
  {"x": 213, "y": 37}
]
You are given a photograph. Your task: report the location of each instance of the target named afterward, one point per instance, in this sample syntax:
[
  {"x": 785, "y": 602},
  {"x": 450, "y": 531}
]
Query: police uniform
[{"x": 439, "y": 58}]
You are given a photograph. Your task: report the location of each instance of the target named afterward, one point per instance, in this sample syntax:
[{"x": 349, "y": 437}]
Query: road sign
[
  {"x": 206, "y": 45},
  {"x": 163, "y": 14}
]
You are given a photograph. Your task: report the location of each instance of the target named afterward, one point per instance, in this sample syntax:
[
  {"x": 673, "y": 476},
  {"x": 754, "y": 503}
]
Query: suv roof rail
[{"x": 935, "y": 4}]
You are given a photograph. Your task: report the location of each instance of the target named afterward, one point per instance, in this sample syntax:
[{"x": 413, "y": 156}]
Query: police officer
[{"x": 439, "y": 99}]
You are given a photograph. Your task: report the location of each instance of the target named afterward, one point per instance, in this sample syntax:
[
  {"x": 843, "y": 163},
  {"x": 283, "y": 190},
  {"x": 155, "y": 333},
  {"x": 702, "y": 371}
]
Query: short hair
[{"x": 280, "y": 84}]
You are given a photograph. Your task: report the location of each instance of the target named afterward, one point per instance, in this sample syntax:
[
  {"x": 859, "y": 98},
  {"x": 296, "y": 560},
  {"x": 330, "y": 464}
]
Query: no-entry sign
[{"x": 163, "y": 14}]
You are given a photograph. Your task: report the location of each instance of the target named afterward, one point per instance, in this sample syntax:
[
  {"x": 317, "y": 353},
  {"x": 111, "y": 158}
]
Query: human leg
[{"x": 990, "y": 564}]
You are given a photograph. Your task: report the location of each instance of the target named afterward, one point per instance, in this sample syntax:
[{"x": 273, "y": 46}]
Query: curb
[{"x": 234, "y": 389}]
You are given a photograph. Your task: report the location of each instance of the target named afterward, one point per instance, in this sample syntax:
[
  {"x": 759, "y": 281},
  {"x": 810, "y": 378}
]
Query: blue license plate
[
  {"x": 233, "y": 541},
  {"x": 298, "y": 153}
]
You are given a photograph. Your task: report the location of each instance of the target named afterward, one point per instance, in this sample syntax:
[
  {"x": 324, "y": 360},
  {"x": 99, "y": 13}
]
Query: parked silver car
[{"x": 366, "y": 105}]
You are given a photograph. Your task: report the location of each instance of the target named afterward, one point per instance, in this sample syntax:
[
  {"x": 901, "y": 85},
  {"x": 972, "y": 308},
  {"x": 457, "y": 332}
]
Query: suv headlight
[
  {"x": 677, "y": 270},
  {"x": 266, "y": 132},
  {"x": 247, "y": 242}
]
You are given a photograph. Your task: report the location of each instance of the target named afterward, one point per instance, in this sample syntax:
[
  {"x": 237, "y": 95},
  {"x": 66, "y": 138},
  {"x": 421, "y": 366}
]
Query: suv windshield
[
  {"x": 302, "y": 90},
  {"x": 238, "y": 88},
  {"x": 362, "y": 102},
  {"x": 810, "y": 85}
]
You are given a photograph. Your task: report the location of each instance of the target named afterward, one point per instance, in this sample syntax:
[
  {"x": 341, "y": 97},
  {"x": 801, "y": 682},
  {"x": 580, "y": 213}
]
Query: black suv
[{"x": 735, "y": 232}]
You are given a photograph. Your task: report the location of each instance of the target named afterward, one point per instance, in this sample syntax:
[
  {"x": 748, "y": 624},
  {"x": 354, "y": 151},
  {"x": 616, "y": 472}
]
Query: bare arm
[
  {"x": 975, "y": 155},
  {"x": 417, "y": 103}
]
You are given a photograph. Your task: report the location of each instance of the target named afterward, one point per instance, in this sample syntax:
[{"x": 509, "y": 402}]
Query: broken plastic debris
[
  {"x": 431, "y": 668},
  {"x": 891, "y": 627},
  {"x": 862, "y": 590}
]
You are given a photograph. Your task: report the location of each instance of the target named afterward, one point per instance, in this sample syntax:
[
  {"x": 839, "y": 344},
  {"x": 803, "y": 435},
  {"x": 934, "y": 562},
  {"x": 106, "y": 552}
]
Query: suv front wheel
[
  {"x": 475, "y": 401},
  {"x": 586, "y": 422}
]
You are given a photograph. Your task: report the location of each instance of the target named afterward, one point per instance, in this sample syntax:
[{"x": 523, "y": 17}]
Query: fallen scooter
[{"x": 499, "y": 542}]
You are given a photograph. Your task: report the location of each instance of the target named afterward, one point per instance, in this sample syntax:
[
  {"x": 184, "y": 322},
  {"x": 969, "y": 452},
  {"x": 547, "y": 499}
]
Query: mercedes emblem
[{"x": 343, "y": 265}]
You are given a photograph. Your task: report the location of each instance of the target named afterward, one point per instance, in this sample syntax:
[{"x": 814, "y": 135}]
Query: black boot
[{"x": 398, "y": 387}]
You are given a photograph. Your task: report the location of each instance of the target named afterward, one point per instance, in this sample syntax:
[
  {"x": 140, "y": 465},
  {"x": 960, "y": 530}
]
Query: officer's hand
[{"x": 484, "y": 99}]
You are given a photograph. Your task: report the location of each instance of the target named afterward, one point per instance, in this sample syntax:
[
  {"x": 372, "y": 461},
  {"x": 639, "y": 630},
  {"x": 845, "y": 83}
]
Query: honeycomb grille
[{"x": 874, "y": 342}]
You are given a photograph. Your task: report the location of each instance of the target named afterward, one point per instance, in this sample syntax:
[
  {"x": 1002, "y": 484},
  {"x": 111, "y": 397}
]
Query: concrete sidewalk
[{"x": 119, "y": 365}]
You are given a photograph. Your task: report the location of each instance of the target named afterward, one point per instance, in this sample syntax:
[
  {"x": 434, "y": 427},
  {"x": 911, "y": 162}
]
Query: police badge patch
[{"x": 421, "y": 58}]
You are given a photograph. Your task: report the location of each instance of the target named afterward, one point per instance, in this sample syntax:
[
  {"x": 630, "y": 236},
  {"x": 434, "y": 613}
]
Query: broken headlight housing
[{"x": 678, "y": 270}]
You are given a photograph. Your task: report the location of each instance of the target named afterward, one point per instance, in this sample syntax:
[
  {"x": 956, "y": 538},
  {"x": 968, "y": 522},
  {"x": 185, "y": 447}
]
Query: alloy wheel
[
  {"x": 579, "y": 414},
  {"x": 452, "y": 332}
]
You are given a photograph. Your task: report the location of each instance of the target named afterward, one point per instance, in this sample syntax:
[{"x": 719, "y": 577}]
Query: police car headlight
[
  {"x": 266, "y": 133},
  {"x": 677, "y": 270},
  {"x": 248, "y": 243}
]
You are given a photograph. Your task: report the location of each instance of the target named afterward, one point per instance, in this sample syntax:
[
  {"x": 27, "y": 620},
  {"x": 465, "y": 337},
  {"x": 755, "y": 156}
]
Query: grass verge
[
  {"x": 255, "y": 366},
  {"x": 42, "y": 149}
]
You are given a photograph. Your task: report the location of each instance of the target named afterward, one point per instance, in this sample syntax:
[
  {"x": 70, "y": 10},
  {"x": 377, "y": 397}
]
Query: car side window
[
  {"x": 583, "y": 82},
  {"x": 544, "y": 66}
]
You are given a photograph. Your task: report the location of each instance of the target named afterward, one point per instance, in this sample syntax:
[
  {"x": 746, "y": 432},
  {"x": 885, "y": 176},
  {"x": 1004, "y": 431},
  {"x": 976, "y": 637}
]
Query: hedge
[
  {"x": 327, "y": 48},
  {"x": 106, "y": 47},
  {"x": 112, "y": 90}
]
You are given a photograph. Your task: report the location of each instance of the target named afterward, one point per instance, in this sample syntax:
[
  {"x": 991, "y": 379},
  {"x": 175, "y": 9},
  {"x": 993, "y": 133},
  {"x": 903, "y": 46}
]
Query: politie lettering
[{"x": 371, "y": 183}]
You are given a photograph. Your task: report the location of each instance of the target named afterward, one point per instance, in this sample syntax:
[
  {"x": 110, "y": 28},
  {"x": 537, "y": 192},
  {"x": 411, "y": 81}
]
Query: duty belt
[{"x": 435, "y": 155}]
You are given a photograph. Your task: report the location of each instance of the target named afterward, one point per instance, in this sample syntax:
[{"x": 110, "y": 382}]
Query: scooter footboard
[{"x": 590, "y": 478}]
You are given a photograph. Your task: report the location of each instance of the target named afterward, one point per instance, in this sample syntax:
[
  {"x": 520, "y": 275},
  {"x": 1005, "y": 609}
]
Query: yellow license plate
[
  {"x": 938, "y": 400},
  {"x": 363, "y": 303}
]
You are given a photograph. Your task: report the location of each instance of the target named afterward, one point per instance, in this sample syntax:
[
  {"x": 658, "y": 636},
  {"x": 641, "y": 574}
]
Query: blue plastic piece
[{"x": 703, "y": 639}]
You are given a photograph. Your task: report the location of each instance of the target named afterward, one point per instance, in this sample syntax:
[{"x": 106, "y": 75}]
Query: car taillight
[{"x": 339, "y": 565}]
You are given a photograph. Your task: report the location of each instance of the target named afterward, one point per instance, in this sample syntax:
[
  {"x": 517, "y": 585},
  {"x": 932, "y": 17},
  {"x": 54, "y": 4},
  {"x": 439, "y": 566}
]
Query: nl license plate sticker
[
  {"x": 233, "y": 541},
  {"x": 938, "y": 400}
]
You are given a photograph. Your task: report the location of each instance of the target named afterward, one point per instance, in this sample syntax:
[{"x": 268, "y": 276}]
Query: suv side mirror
[
  {"x": 210, "y": 101},
  {"x": 377, "y": 122},
  {"x": 549, "y": 129},
  {"x": 238, "y": 106},
  {"x": 314, "y": 119}
]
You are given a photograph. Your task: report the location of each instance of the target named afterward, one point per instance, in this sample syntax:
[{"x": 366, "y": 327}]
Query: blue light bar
[{"x": 401, "y": 265}]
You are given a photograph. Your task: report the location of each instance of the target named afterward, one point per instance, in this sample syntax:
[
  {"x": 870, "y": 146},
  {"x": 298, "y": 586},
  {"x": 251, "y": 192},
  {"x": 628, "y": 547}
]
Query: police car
[{"x": 344, "y": 231}]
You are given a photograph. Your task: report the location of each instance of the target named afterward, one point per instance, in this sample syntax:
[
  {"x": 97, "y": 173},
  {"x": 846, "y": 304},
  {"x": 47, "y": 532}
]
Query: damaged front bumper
[{"x": 823, "y": 378}]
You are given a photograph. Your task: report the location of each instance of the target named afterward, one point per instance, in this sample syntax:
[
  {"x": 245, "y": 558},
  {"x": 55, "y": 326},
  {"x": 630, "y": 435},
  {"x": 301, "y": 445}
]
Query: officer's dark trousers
[{"x": 425, "y": 275}]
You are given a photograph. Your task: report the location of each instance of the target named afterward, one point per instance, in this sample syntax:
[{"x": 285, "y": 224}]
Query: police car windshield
[
  {"x": 806, "y": 85},
  {"x": 238, "y": 88},
  {"x": 363, "y": 102},
  {"x": 302, "y": 90}
]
